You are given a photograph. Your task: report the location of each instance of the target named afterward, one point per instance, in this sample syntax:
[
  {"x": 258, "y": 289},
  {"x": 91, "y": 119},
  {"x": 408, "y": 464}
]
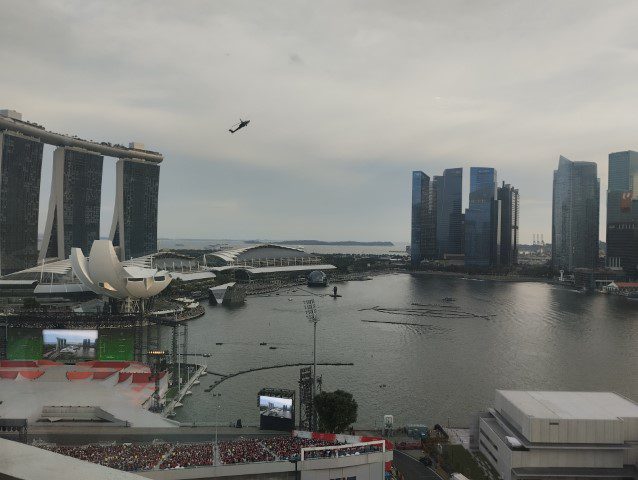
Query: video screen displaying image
[
  {"x": 275, "y": 407},
  {"x": 69, "y": 344}
]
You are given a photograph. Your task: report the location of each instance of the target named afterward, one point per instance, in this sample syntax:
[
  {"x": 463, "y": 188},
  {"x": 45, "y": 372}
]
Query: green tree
[{"x": 337, "y": 411}]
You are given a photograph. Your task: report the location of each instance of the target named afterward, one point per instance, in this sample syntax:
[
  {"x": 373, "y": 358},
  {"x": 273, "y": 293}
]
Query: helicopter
[{"x": 240, "y": 125}]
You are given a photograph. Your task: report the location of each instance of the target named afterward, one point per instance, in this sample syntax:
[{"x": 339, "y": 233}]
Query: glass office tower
[
  {"x": 509, "y": 199},
  {"x": 449, "y": 209},
  {"x": 20, "y": 171},
  {"x": 420, "y": 199},
  {"x": 575, "y": 215},
  {"x": 622, "y": 212},
  {"x": 482, "y": 220},
  {"x": 435, "y": 194}
]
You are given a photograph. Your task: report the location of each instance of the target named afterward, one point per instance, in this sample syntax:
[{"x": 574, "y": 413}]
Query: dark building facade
[
  {"x": 134, "y": 227},
  {"x": 622, "y": 212},
  {"x": 420, "y": 201},
  {"x": 20, "y": 171},
  {"x": 74, "y": 209},
  {"x": 575, "y": 215},
  {"x": 509, "y": 198},
  {"x": 482, "y": 220},
  {"x": 449, "y": 212}
]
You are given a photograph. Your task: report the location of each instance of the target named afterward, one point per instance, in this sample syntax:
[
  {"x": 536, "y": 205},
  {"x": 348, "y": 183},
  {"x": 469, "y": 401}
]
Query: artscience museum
[{"x": 104, "y": 274}]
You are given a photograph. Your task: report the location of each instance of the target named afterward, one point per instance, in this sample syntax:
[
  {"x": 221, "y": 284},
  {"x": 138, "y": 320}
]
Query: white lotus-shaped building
[{"x": 104, "y": 274}]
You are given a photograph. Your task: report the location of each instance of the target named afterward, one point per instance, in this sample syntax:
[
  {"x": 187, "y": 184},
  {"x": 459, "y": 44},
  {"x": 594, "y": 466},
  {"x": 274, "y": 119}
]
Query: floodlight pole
[
  {"x": 314, "y": 369},
  {"x": 217, "y": 414},
  {"x": 311, "y": 314}
]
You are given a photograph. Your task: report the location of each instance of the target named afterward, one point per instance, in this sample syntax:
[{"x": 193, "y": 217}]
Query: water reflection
[{"x": 534, "y": 336}]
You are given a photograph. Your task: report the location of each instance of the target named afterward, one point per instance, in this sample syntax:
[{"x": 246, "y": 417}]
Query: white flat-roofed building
[{"x": 560, "y": 435}]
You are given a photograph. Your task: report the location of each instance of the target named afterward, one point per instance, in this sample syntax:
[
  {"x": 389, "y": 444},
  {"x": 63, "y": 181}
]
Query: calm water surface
[{"x": 533, "y": 336}]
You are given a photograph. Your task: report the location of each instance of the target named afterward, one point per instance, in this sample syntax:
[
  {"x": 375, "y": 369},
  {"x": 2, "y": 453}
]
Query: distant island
[{"x": 347, "y": 243}]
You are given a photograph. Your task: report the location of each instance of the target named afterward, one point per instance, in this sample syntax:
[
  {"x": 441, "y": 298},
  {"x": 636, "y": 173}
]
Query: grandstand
[
  {"x": 110, "y": 393},
  {"x": 270, "y": 456}
]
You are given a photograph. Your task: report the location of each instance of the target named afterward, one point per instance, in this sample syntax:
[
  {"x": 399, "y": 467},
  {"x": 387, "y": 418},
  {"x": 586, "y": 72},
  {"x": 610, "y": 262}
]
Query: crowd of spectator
[
  {"x": 342, "y": 452},
  {"x": 287, "y": 447},
  {"x": 190, "y": 455},
  {"x": 126, "y": 456},
  {"x": 132, "y": 457},
  {"x": 244, "y": 451}
]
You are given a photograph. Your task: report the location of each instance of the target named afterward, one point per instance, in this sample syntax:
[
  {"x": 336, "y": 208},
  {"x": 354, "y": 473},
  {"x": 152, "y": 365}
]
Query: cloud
[{"x": 345, "y": 99}]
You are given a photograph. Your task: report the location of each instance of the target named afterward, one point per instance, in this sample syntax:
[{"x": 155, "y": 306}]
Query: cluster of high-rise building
[
  {"x": 575, "y": 215},
  {"x": 485, "y": 236},
  {"x": 73, "y": 217}
]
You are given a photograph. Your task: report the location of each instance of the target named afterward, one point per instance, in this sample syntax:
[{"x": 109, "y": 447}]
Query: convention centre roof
[
  {"x": 259, "y": 252},
  {"x": 572, "y": 405}
]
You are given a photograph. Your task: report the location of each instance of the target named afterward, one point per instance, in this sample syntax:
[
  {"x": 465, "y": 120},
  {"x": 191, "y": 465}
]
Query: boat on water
[
  {"x": 188, "y": 393},
  {"x": 196, "y": 382},
  {"x": 448, "y": 299}
]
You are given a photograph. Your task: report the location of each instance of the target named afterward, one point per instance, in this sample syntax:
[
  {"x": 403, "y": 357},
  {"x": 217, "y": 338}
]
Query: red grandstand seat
[
  {"x": 115, "y": 365},
  {"x": 78, "y": 375},
  {"x": 48, "y": 363},
  {"x": 18, "y": 363}
]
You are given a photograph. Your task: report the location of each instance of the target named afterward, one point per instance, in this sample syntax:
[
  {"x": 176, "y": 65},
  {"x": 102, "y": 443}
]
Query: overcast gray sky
[{"x": 345, "y": 99}]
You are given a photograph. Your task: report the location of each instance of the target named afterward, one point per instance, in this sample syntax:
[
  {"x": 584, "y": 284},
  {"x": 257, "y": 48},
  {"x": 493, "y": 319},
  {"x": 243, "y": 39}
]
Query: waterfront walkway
[
  {"x": 283, "y": 365},
  {"x": 182, "y": 393}
]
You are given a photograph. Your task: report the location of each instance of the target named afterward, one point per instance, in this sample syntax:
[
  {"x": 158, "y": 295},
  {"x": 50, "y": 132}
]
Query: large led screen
[
  {"x": 69, "y": 345},
  {"x": 275, "y": 407}
]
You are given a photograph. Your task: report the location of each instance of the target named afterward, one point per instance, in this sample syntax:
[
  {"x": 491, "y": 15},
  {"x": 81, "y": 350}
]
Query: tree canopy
[{"x": 337, "y": 411}]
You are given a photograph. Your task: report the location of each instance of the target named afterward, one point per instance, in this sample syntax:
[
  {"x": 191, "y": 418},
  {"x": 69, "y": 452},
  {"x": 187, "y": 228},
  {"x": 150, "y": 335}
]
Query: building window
[{"x": 488, "y": 451}]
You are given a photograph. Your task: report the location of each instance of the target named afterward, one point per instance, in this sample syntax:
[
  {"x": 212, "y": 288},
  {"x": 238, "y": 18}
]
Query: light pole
[
  {"x": 217, "y": 414},
  {"x": 158, "y": 357},
  {"x": 311, "y": 315}
]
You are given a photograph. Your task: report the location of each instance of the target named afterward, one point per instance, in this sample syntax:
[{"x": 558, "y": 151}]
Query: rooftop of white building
[{"x": 571, "y": 405}]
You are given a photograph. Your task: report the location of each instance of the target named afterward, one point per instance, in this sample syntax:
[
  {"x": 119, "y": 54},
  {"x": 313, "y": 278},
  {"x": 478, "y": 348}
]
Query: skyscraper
[
  {"x": 435, "y": 194},
  {"x": 622, "y": 212},
  {"x": 420, "y": 199},
  {"x": 73, "y": 218},
  {"x": 449, "y": 212},
  {"x": 134, "y": 227},
  {"x": 20, "y": 170},
  {"x": 482, "y": 220},
  {"x": 575, "y": 212},
  {"x": 509, "y": 199}
]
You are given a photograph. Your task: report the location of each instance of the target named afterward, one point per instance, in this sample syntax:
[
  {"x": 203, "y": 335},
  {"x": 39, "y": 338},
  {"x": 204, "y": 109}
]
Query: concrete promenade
[{"x": 185, "y": 388}]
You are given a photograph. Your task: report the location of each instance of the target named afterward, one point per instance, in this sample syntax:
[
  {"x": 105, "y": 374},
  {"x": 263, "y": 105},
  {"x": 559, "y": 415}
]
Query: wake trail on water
[{"x": 428, "y": 311}]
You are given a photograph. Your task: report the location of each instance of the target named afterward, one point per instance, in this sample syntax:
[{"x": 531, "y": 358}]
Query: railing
[{"x": 361, "y": 448}]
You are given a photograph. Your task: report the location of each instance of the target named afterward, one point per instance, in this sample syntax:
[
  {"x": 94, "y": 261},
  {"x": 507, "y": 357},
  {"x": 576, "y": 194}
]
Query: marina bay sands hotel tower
[{"x": 73, "y": 215}]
